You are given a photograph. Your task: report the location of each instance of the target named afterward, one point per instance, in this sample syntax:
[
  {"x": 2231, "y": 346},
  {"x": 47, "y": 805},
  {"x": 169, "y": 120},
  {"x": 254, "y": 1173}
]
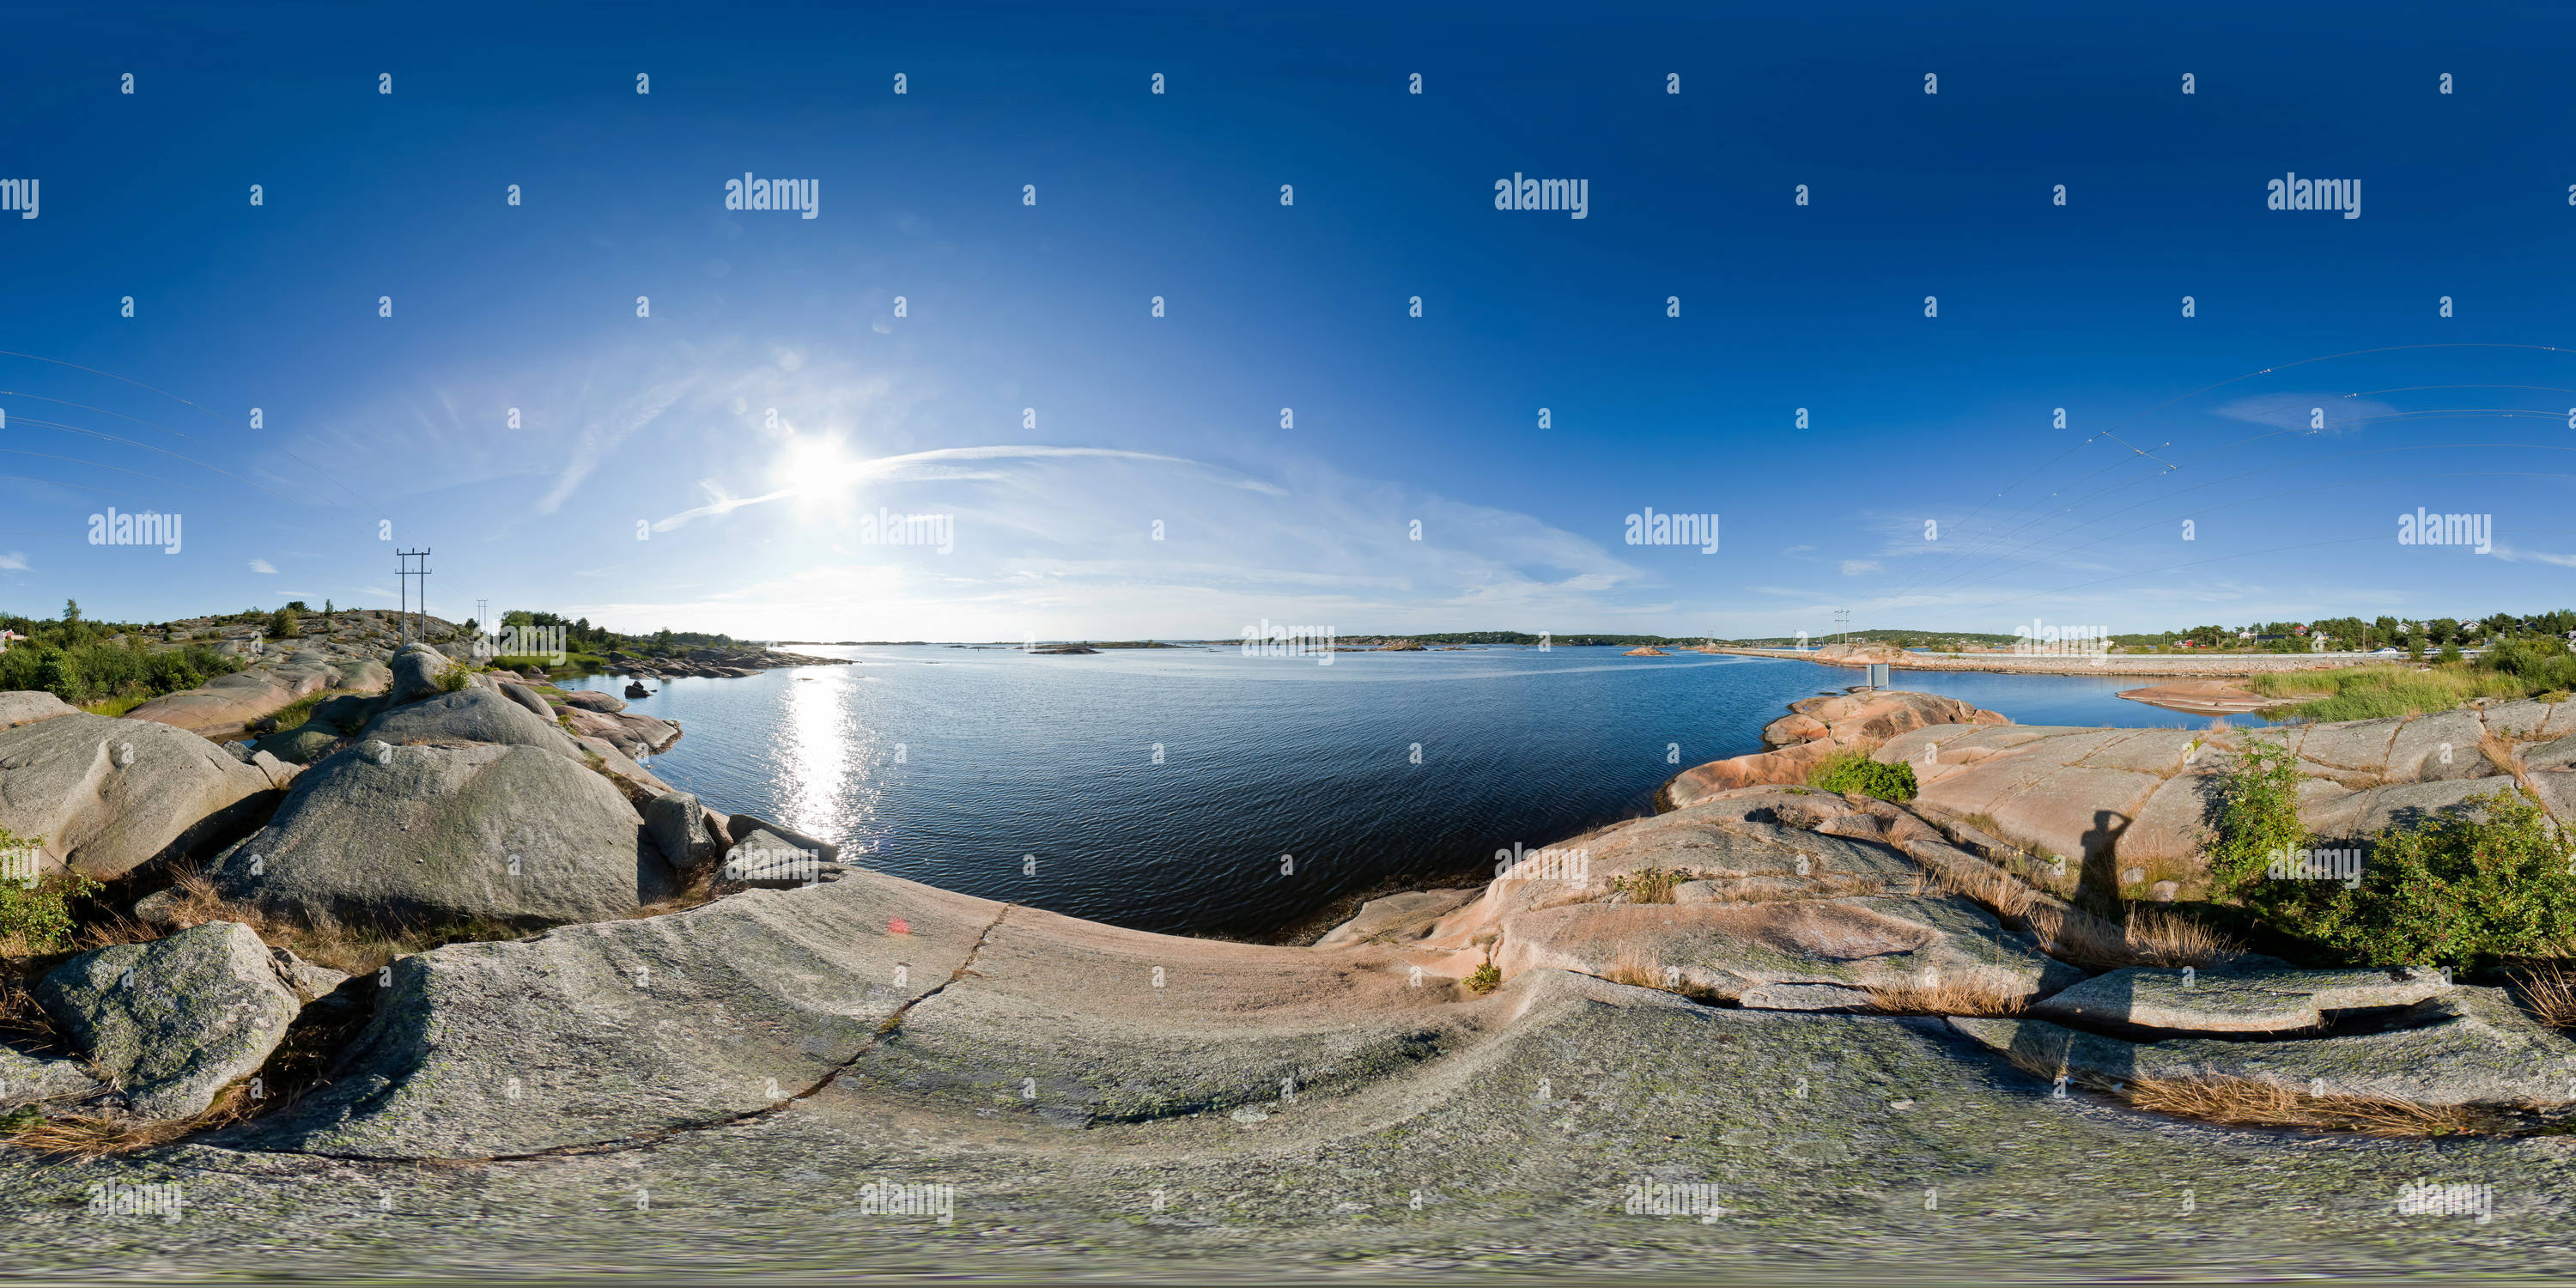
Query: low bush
[
  {"x": 2258, "y": 815},
  {"x": 1854, "y": 771},
  {"x": 2463, "y": 890},
  {"x": 38, "y": 918}
]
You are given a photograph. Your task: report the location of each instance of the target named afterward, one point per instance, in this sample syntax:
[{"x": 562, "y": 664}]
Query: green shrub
[
  {"x": 1485, "y": 979},
  {"x": 454, "y": 678},
  {"x": 36, "y": 917},
  {"x": 2258, "y": 815},
  {"x": 2459, "y": 891},
  {"x": 1854, "y": 771}
]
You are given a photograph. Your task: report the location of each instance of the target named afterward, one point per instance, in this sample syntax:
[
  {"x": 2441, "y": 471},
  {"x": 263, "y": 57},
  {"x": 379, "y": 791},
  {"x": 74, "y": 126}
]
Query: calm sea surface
[{"x": 1159, "y": 789}]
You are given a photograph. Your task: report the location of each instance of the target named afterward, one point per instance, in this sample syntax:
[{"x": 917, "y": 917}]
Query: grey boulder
[
  {"x": 516, "y": 835},
  {"x": 470, "y": 716},
  {"x": 26, "y": 707},
  {"x": 416, "y": 668},
  {"x": 678, "y": 826},
  {"x": 175, "y": 1020},
  {"x": 111, "y": 795}
]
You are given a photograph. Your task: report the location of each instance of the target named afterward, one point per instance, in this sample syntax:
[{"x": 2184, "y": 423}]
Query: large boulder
[
  {"x": 230, "y": 700},
  {"x": 470, "y": 716},
  {"x": 111, "y": 795},
  {"x": 635, "y": 736},
  {"x": 27, "y": 707},
  {"x": 175, "y": 1020},
  {"x": 424, "y": 834},
  {"x": 678, "y": 826},
  {"x": 416, "y": 670},
  {"x": 593, "y": 700},
  {"x": 527, "y": 697}
]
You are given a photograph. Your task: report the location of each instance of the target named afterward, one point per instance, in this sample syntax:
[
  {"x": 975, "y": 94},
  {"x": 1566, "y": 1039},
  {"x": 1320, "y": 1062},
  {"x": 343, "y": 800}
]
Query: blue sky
[{"x": 759, "y": 525}]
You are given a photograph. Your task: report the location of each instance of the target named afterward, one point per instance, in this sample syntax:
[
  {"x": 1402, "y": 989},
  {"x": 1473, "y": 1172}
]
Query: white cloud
[
  {"x": 2508, "y": 553},
  {"x": 14, "y": 561},
  {"x": 2303, "y": 412},
  {"x": 1856, "y": 567},
  {"x": 262, "y": 565}
]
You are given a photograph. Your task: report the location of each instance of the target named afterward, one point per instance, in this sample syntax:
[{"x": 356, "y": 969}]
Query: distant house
[{"x": 8, "y": 635}]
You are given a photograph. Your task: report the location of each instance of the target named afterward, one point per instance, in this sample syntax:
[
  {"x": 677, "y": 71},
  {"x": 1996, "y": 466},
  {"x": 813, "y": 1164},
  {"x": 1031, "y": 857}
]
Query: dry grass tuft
[
  {"x": 1949, "y": 997},
  {"x": 2549, "y": 993},
  {"x": 357, "y": 950},
  {"x": 93, "y": 1136},
  {"x": 1997, "y": 890},
  {"x": 1634, "y": 969},
  {"x": 2256, "y": 1102},
  {"x": 2167, "y": 938},
  {"x": 22, "y": 1020}
]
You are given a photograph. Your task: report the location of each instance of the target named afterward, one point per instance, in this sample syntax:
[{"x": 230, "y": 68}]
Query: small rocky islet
[{"x": 711, "y": 1031}]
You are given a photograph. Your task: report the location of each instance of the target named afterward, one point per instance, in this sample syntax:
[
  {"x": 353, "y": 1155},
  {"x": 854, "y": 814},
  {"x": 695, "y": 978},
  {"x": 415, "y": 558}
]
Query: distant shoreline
[{"x": 2121, "y": 664}]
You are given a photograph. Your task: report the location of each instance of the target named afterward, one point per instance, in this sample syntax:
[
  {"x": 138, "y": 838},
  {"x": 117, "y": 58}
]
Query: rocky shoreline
[
  {"x": 1674, "y": 1043},
  {"x": 2121, "y": 664}
]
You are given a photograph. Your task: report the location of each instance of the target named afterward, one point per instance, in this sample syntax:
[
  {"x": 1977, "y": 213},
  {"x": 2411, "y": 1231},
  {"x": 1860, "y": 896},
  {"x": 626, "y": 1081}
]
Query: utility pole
[
  {"x": 405, "y": 572},
  {"x": 1842, "y": 625}
]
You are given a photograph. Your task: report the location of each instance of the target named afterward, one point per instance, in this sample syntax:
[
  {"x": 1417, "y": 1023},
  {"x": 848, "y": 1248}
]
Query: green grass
[
  {"x": 2374, "y": 692},
  {"x": 116, "y": 706}
]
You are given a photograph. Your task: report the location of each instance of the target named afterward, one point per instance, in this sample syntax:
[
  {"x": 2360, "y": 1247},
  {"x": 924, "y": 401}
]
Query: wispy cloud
[
  {"x": 601, "y": 436},
  {"x": 262, "y": 565},
  {"x": 14, "y": 561},
  {"x": 2516, "y": 554},
  {"x": 1856, "y": 567},
  {"x": 827, "y": 477},
  {"x": 2307, "y": 412}
]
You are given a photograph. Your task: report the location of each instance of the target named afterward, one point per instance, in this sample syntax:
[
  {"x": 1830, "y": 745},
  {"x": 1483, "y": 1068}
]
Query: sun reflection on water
[{"x": 819, "y": 770}]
